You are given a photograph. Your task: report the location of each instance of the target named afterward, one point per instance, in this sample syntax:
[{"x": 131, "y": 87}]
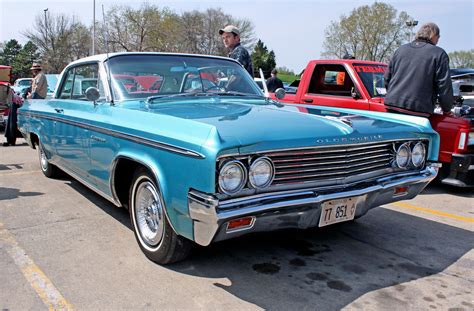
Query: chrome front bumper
[{"x": 295, "y": 209}]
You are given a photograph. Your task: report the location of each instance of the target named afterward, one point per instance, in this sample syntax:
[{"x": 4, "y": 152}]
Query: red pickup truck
[{"x": 359, "y": 84}]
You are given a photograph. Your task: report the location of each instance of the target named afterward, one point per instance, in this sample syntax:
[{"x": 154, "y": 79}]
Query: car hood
[{"x": 253, "y": 125}]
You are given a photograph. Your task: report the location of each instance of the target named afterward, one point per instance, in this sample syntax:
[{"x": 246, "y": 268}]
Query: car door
[
  {"x": 76, "y": 115},
  {"x": 332, "y": 85}
]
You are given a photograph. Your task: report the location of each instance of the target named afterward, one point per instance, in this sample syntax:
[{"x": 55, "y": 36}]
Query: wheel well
[
  {"x": 34, "y": 140},
  {"x": 123, "y": 175}
]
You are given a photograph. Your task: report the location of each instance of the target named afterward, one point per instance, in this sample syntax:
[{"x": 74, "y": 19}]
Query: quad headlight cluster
[
  {"x": 234, "y": 175},
  {"x": 410, "y": 155}
]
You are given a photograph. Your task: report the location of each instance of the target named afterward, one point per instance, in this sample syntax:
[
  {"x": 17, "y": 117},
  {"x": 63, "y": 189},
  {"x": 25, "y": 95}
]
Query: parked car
[
  {"x": 22, "y": 85},
  {"x": 463, "y": 82},
  {"x": 203, "y": 165},
  {"x": 361, "y": 86}
]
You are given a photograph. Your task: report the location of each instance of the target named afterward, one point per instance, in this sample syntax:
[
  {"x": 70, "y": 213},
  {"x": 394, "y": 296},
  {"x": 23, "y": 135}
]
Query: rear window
[{"x": 373, "y": 78}]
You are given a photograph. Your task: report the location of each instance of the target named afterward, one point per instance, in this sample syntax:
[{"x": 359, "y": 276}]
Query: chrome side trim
[{"x": 113, "y": 133}]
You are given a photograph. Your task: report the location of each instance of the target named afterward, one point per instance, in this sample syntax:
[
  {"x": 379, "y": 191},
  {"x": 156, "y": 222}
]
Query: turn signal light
[
  {"x": 400, "y": 191},
  {"x": 241, "y": 223}
]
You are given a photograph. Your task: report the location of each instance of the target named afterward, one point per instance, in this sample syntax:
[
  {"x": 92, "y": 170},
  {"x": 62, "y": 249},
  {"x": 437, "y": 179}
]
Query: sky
[{"x": 293, "y": 29}]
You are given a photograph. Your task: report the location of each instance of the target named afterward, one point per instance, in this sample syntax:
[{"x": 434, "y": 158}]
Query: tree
[
  {"x": 369, "y": 32},
  {"x": 60, "y": 39},
  {"x": 462, "y": 59},
  {"x": 263, "y": 59},
  {"x": 18, "y": 57}
]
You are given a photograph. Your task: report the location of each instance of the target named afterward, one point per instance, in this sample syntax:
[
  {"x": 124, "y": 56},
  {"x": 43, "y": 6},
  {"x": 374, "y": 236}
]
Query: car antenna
[
  {"x": 265, "y": 88},
  {"x": 107, "y": 52}
]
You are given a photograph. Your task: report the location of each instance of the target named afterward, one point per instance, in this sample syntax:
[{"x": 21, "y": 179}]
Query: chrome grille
[{"x": 322, "y": 163}]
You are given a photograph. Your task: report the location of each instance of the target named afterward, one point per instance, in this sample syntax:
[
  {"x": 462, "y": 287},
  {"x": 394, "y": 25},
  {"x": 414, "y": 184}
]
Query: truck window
[
  {"x": 373, "y": 78},
  {"x": 331, "y": 80}
]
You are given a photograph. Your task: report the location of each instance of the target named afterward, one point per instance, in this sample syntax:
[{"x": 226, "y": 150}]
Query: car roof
[{"x": 104, "y": 57}]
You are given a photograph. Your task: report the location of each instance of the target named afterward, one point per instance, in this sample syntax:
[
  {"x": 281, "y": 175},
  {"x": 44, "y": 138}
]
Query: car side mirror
[
  {"x": 280, "y": 93},
  {"x": 354, "y": 93},
  {"x": 92, "y": 94}
]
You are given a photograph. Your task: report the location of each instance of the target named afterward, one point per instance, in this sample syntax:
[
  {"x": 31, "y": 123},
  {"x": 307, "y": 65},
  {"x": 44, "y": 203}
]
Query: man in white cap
[
  {"x": 39, "y": 87},
  {"x": 231, "y": 38}
]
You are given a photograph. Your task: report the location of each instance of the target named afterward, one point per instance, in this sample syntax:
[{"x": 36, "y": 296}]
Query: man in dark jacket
[
  {"x": 418, "y": 74},
  {"x": 274, "y": 82}
]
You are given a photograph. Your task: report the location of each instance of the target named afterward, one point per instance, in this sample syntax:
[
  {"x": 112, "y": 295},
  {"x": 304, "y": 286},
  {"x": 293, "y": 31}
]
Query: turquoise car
[{"x": 207, "y": 157}]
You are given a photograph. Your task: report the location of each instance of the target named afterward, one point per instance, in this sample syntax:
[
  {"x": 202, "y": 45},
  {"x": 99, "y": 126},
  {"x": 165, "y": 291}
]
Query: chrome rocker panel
[{"x": 294, "y": 209}]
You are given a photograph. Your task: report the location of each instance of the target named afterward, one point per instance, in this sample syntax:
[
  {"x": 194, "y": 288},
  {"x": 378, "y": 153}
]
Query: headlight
[
  {"x": 261, "y": 173},
  {"x": 418, "y": 155},
  {"x": 232, "y": 177},
  {"x": 403, "y": 156}
]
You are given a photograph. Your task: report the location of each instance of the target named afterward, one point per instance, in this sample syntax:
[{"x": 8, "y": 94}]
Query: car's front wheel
[
  {"x": 153, "y": 232},
  {"x": 48, "y": 169}
]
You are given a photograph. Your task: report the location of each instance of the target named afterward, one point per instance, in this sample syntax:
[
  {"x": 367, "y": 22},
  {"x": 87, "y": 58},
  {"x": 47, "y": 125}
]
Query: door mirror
[
  {"x": 280, "y": 93},
  {"x": 92, "y": 94},
  {"x": 355, "y": 93}
]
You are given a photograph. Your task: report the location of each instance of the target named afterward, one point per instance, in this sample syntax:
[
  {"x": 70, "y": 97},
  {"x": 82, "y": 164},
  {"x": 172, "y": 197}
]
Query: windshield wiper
[
  {"x": 194, "y": 94},
  {"x": 166, "y": 96},
  {"x": 235, "y": 93}
]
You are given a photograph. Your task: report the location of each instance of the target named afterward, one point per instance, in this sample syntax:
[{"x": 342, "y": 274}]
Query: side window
[
  {"x": 79, "y": 79},
  {"x": 330, "y": 80},
  {"x": 66, "y": 87}
]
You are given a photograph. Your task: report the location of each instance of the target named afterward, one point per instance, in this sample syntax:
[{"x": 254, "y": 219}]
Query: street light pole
[
  {"x": 411, "y": 24},
  {"x": 45, "y": 26},
  {"x": 93, "y": 29}
]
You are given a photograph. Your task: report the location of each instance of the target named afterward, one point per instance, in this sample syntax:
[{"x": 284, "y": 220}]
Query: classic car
[
  {"x": 199, "y": 162},
  {"x": 22, "y": 85}
]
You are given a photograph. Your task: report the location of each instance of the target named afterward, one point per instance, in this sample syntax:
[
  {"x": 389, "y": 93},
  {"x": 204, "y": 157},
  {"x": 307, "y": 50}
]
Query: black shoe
[{"x": 6, "y": 144}]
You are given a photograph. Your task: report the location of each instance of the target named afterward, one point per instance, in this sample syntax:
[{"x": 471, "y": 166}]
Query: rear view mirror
[
  {"x": 92, "y": 94},
  {"x": 354, "y": 93},
  {"x": 280, "y": 93}
]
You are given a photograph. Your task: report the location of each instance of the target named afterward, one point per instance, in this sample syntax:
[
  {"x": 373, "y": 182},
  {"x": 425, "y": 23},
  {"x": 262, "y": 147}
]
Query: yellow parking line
[
  {"x": 45, "y": 289},
  {"x": 434, "y": 212}
]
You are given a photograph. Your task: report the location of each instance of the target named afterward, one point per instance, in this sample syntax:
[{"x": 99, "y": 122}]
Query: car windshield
[
  {"x": 173, "y": 76},
  {"x": 373, "y": 78},
  {"x": 24, "y": 83}
]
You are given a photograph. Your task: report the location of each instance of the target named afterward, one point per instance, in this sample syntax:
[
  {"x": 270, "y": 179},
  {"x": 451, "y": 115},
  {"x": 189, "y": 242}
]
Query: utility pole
[
  {"x": 45, "y": 25},
  {"x": 93, "y": 28}
]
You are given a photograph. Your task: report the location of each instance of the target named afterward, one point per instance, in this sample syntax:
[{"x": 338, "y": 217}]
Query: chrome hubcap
[
  {"x": 43, "y": 159},
  {"x": 149, "y": 213}
]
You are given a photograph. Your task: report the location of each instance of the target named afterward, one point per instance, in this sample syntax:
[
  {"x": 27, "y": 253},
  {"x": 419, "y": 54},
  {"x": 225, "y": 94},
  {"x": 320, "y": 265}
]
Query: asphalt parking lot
[{"x": 64, "y": 247}]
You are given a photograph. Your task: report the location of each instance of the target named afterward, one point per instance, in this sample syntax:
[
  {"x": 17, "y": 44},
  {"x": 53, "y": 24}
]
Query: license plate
[{"x": 339, "y": 210}]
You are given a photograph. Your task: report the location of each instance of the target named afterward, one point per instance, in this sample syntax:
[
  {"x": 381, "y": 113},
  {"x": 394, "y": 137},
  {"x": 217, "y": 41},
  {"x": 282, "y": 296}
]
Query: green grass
[{"x": 287, "y": 77}]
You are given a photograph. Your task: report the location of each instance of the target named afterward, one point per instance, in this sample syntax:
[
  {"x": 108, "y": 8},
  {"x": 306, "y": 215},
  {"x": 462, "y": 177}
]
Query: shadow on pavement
[
  {"x": 13, "y": 193},
  {"x": 326, "y": 269},
  {"x": 120, "y": 214},
  {"x": 8, "y": 167},
  {"x": 438, "y": 188},
  {"x": 322, "y": 268}
]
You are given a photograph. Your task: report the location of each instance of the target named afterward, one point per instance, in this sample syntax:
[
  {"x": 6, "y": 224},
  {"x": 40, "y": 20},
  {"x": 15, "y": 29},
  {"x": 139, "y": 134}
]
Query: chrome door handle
[{"x": 308, "y": 100}]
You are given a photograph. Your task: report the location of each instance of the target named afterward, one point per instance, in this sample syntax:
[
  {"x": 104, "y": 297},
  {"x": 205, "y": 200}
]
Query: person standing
[
  {"x": 274, "y": 83},
  {"x": 14, "y": 102},
  {"x": 231, "y": 37},
  {"x": 39, "y": 87},
  {"x": 418, "y": 74}
]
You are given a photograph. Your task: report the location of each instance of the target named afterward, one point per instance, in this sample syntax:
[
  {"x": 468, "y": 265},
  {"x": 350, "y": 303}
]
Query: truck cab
[{"x": 359, "y": 84}]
